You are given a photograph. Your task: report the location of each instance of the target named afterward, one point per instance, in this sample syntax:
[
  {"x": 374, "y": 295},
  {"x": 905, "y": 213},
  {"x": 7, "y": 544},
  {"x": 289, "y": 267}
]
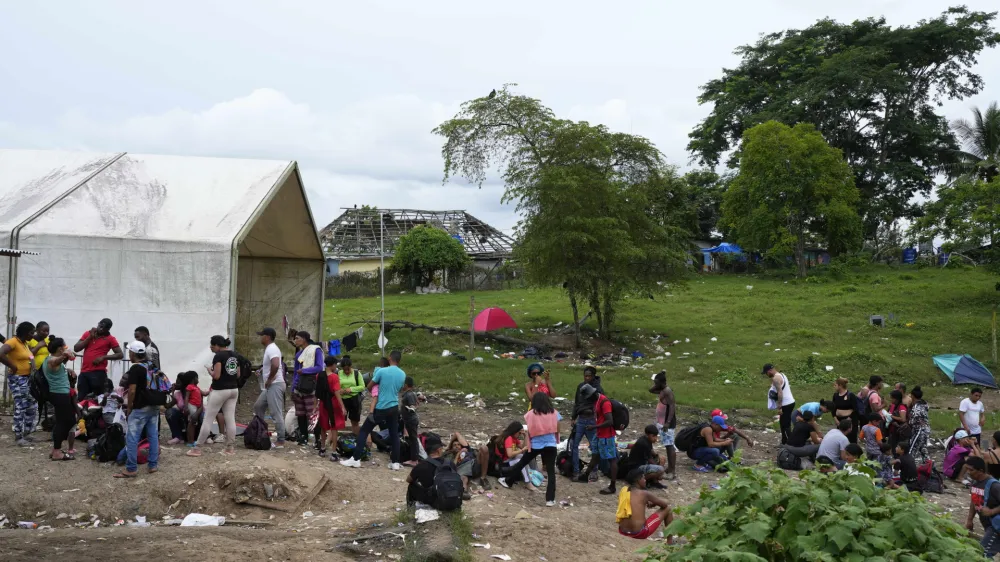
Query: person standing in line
[
  {"x": 781, "y": 394},
  {"x": 39, "y": 343},
  {"x": 352, "y": 387},
  {"x": 920, "y": 427},
  {"x": 95, "y": 344},
  {"x": 58, "y": 376},
  {"x": 331, "y": 408},
  {"x": 907, "y": 399},
  {"x": 411, "y": 422},
  {"x": 666, "y": 420},
  {"x": 898, "y": 415},
  {"x": 583, "y": 414},
  {"x": 272, "y": 385},
  {"x": 972, "y": 414},
  {"x": 14, "y": 353},
  {"x": 845, "y": 407},
  {"x": 152, "y": 351},
  {"x": 309, "y": 364},
  {"x": 607, "y": 446},
  {"x": 390, "y": 380},
  {"x": 225, "y": 372},
  {"x": 539, "y": 380},
  {"x": 986, "y": 504},
  {"x": 543, "y": 426},
  {"x": 142, "y": 417}
]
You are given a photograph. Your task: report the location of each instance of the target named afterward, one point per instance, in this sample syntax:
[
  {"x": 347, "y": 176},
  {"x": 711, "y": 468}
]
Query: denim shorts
[
  {"x": 667, "y": 437},
  {"x": 607, "y": 447},
  {"x": 651, "y": 469}
]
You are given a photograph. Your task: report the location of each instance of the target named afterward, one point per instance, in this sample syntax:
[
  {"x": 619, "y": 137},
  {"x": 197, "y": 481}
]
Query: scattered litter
[
  {"x": 41, "y": 513},
  {"x": 470, "y": 396},
  {"x": 687, "y": 340},
  {"x": 140, "y": 521},
  {"x": 346, "y": 502},
  {"x": 728, "y": 381},
  {"x": 767, "y": 343},
  {"x": 425, "y": 515},
  {"x": 777, "y": 349},
  {"x": 487, "y": 348},
  {"x": 189, "y": 482},
  {"x": 62, "y": 516},
  {"x": 27, "y": 524},
  {"x": 501, "y": 557},
  {"x": 522, "y": 515},
  {"x": 481, "y": 545},
  {"x": 715, "y": 339},
  {"x": 829, "y": 367},
  {"x": 307, "y": 515},
  {"x": 560, "y": 398},
  {"x": 477, "y": 359},
  {"x": 711, "y": 353},
  {"x": 690, "y": 369},
  {"x": 202, "y": 520},
  {"x": 749, "y": 287},
  {"x": 445, "y": 353},
  {"x": 815, "y": 353},
  {"x": 667, "y": 354},
  {"x": 73, "y": 490}
]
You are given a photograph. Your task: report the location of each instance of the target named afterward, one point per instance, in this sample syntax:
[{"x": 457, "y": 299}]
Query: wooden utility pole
[{"x": 472, "y": 329}]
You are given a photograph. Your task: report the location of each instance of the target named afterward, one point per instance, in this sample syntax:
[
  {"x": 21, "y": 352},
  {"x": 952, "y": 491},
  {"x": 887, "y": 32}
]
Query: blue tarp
[
  {"x": 910, "y": 255},
  {"x": 963, "y": 369},
  {"x": 725, "y": 248}
]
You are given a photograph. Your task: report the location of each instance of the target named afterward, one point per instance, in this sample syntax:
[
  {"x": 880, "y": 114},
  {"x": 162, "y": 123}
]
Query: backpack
[
  {"x": 861, "y": 405},
  {"x": 687, "y": 437},
  {"x": 619, "y": 413},
  {"x": 346, "y": 444},
  {"x": 929, "y": 478},
  {"x": 246, "y": 370},
  {"x": 564, "y": 464},
  {"x": 788, "y": 461},
  {"x": 109, "y": 444},
  {"x": 306, "y": 384},
  {"x": 995, "y": 520},
  {"x": 157, "y": 386},
  {"x": 256, "y": 436},
  {"x": 38, "y": 386},
  {"x": 142, "y": 452},
  {"x": 446, "y": 494}
]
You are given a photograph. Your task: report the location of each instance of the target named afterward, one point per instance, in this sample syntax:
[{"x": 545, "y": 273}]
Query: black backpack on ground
[
  {"x": 446, "y": 494},
  {"x": 38, "y": 386},
  {"x": 688, "y": 436},
  {"x": 110, "y": 443},
  {"x": 564, "y": 464},
  {"x": 256, "y": 436},
  {"x": 619, "y": 413},
  {"x": 788, "y": 461}
]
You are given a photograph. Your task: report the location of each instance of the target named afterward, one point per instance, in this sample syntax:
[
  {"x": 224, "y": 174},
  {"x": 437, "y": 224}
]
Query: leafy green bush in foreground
[{"x": 767, "y": 516}]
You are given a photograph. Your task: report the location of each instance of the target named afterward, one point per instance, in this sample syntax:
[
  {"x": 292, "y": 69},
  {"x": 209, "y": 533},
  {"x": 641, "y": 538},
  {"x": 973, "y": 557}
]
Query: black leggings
[
  {"x": 412, "y": 427},
  {"x": 548, "y": 459},
  {"x": 785, "y": 421},
  {"x": 65, "y": 411}
]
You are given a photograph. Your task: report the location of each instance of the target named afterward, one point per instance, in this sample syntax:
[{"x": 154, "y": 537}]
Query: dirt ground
[{"x": 78, "y": 504}]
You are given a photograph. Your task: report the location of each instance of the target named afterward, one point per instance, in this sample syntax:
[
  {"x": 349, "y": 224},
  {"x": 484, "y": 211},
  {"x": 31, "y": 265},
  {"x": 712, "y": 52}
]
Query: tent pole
[{"x": 381, "y": 271}]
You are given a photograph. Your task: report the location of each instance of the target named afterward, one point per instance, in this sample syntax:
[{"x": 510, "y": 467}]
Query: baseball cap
[
  {"x": 268, "y": 332},
  {"x": 720, "y": 413},
  {"x": 137, "y": 347},
  {"x": 721, "y": 421},
  {"x": 767, "y": 367},
  {"x": 586, "y": 391},
  {"x": 433, "y": 442},
  {"x": 961, "y": 434}
]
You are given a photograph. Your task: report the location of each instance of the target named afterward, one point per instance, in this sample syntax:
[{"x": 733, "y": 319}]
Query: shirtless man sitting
[{"x": 632, "y": 503}]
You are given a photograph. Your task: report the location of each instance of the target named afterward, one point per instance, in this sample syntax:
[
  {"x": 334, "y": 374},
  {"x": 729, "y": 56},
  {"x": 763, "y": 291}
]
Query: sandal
[
  {"x": 154, "y": 470},
  {"x": 229, "y": 452},
  {"x": 126, "y": 475},
  {"x": 194, "y": 452},
  {"x": 53, "y": 458}
]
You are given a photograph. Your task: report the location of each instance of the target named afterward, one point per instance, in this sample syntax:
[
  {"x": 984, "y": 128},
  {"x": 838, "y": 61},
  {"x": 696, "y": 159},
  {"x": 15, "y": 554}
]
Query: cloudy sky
[{"x": 352, "y": 92}]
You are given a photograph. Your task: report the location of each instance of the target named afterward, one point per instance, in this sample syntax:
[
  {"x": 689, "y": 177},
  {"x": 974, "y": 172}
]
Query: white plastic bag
[{"x": 202, "y": 520}]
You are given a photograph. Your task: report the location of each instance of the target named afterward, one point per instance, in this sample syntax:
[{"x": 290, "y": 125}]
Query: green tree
[
  {"x": 980, "y": 138},
  {"x": 871, "y": 89},
  {"x": 586, "y": 196},
  {"x": 966, "y": 214},
  {"x": 792, "y": 189},
  {"x": 424, "y": 251}
]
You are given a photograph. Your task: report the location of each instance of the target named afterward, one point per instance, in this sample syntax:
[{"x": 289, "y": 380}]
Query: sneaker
[
  {"x": 395, "y": 466},
  {"x": 174, "y": 441},
  {"x": 550, "y": 504},
  {"x": 670, "y": 476},
  {"x": 485, "y": 484},
  {"x": 699, "y": 468},
  {"x": 503, "y": 482},
  {"x": 466, "y": 496},
  {"x": 279, "y": 444},
  {"x": 608, "y": 491},
  {"x": 334, "y": 457},
  {"x": 210, "y": 441},
  {"x": 350, "y": 463},
  {"x": 22, "y": 442},
  {"x": 583, "y": 479},
  {"x": 190, "y": 445}
]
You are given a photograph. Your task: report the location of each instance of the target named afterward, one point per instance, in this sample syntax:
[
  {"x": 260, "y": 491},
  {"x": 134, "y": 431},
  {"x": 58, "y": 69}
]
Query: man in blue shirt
[
  {"x": 816, "y": 408},
  {"x": 386, "y": 415}
]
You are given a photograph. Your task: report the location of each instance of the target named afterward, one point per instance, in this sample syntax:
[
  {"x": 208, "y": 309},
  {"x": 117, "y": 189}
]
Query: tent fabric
[
  {"x": 724, "y": 248},
  {"x": 493, "y": 318},
  {"x": 188, "y": 247},
  {"x": 964, "y": 369}
]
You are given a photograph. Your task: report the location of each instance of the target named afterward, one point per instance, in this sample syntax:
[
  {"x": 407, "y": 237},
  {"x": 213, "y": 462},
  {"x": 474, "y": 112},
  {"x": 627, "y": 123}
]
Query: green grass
[{"x": 949, "y": 311}]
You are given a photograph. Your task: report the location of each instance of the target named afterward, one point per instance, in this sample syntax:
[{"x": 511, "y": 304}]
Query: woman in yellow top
[
  {"x": 39, "y": 343},
  {"x": 16, "y": 355}
]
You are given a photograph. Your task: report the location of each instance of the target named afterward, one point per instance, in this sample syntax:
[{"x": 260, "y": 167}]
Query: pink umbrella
[{"x": 493, "y": 318}]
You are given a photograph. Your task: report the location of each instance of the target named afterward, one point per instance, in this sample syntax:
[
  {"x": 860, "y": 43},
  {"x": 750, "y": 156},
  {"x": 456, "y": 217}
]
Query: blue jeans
[
  {"x": 579, "y": 432},
  {"x": 177, "y": 423},
  {"x": 387, "y": 418},
  {"x": 990, "y": 542},
  {"x": 708, "y": 456},
  {"x": 142, "y": 421}
]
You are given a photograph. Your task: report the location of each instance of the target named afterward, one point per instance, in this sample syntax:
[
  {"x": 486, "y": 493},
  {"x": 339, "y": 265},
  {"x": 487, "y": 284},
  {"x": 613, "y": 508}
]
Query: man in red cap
[{"x": 730, "y": 433}]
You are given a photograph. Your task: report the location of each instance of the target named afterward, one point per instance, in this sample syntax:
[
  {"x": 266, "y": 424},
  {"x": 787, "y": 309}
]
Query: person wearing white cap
[
  {"x": 954, "y": 460},
  {"x": 143, "y": 418}
]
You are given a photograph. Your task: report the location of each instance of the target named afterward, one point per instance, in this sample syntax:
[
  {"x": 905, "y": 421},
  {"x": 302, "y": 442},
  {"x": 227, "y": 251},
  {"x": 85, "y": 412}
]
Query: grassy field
[{"x": 800, "y": 326}]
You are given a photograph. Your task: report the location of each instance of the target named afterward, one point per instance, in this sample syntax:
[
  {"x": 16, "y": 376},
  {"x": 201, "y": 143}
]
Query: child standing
[
  {"x": 331, "y": 408},
  {"x": 871, "y": 434},
  {"x": 192, "y": 406},
  {"x": 411, "y": 423}
]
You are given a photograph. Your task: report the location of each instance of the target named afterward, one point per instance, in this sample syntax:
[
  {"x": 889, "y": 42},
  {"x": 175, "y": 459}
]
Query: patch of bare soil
[{"x": 81, "y": 502}]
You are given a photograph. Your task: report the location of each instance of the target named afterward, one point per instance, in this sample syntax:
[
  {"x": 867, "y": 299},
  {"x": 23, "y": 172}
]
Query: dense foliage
[
  {"x": 870, "y": 88},
  {"x": 792, "y": 191},
  {"x": 767, "y": 516},
  {"x": 425, "y": 251}
]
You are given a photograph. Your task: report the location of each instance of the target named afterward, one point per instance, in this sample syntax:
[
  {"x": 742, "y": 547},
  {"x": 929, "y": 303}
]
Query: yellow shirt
[
  {"x": 43, "y": 351},
  {"x": 624, "y": 505},
  {"x": 20, "y": 356}
]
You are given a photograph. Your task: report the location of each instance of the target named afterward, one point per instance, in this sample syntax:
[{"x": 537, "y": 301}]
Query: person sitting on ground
[
  {"x": 833, "y": 444},
  {"x": 885, "y": 466},
  {"x": 871, "y": 435},
  {"x": 984, "y": 503},
  {"x": 632, "y": 503},
  {"x": 666, "y": 420},
  {"x": 706, "y": 449},
  {"x": 411, "y": 422},
  {"x": 514, "y": 447},
  {"x": 825, "y": 464},
  {"x": 955, "y": 459},
  {"x": 991, "y": 455},
  {"x": 421, "y": 479},
  {"x": 852, "y": 454},
  {"x": 817, "y": 409},
  {"x": 641, "y": 456},
  {"x": 470, "y": 463},
  {"x": 539, "y": 380},
  {"x": 733, "y": 433},
  {"x": 607, "y": 447},
  {"x": 543, "y": 426},
  {"x": 193, "y": 406},
  {"x": 804, "y": 440},
  {"x": 907, "y": 467}
]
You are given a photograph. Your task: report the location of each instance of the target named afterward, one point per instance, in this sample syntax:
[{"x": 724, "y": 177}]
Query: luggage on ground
[
  {"x": 446, "y": 495},
  {"x": 256, "y": 435}
]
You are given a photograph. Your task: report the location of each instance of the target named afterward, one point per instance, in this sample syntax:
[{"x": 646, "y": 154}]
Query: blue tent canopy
[
  {"x": 963, "y": 369},
  {"x": 725, "y": 248}
]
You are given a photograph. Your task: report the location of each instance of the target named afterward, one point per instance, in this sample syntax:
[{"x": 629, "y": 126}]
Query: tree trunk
[
  {"x": 576, "y": 317},
  {"x": 800, "y": 254}
]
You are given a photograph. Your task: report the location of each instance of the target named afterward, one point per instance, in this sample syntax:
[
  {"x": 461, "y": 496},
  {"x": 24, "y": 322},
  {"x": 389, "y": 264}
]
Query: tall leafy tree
[
  {"x": 965, "y": 214},
  {"x": 424, "y": 251},
  {"x": 980, "y": 154},
  {"x": 585, "y": 194},
  {"x": 793, "y": 189},
  {"x": 870, "y": 88}
]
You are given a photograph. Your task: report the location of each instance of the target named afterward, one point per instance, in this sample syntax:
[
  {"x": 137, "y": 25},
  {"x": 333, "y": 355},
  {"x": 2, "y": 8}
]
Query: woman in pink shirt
[{"x": 543, "y": 426}]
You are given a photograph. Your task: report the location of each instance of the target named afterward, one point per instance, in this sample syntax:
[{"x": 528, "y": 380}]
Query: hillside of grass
[{"x": 802, "y": 326}]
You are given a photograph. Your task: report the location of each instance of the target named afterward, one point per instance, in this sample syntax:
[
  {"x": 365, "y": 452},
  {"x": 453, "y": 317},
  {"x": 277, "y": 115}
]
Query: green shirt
[
  {"x": 58, "y": 379},
  {"x": 353, "y": 383}
]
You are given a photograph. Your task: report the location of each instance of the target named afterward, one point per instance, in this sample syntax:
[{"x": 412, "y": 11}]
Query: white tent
[{"x": 188, "y": 247}]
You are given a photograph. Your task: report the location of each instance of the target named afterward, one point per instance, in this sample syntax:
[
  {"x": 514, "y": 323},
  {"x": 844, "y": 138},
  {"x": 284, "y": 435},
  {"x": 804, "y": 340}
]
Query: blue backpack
[{"x": 995, "y": 520}]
